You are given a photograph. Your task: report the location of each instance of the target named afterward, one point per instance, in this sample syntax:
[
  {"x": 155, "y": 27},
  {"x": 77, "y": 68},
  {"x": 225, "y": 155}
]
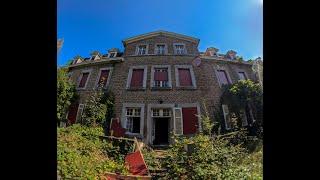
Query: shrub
[
  {"x": 66, "y": 93},
  {"x": 82, "y": 155},
  {"x": 202, "y": 157}
]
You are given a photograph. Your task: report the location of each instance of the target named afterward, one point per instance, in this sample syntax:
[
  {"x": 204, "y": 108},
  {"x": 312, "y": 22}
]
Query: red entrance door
[
  {"x": 72, "y": 114},
  {"x": 190, "y": 120}
]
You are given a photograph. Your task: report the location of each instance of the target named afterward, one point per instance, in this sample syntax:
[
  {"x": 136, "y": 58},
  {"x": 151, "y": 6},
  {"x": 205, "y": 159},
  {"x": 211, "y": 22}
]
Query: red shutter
[
  {"x": 104, "y": 77},
  {"x": 185, "y": 77},
  {"x": 72, "y": 114},
  {"x": 83, "y": 80},
  {"x": 160, "y": 76},
  {"x": 190, "y": 120},
  {"x": 223, "y": 77},
  {"x": 137, "y": 78}
]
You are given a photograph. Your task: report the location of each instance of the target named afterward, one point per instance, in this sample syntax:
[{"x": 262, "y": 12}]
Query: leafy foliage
[
  {"x": 95, "y": 109},
  {"x": 242, "y": 96},
  {"x": 66, "y": 93},
  {"x": 82, "y": 155}
]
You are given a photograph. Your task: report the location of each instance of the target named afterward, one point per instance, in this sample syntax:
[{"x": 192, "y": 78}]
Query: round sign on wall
[{"x": 197, "y": 61}]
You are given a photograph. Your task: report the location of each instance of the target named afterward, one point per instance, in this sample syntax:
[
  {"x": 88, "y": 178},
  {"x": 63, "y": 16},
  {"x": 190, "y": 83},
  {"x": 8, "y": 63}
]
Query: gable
[{"x": 160, "y": 33}]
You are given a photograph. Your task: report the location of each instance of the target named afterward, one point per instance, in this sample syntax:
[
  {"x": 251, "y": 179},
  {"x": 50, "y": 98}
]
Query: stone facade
[{"x": 207, "y": 88}]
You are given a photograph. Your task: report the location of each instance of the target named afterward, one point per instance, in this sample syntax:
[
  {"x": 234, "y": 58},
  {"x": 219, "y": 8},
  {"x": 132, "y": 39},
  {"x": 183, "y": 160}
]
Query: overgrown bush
[
  {"x": 95, "y": 109},
  {"x": 66, "y": 94},
  {"x": 202, "y": 157},
  {"x": 82, "y": 155}
]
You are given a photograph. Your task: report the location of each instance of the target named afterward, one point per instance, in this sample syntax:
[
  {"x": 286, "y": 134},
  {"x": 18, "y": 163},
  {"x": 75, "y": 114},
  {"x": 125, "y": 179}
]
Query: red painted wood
[
  {"x": 72, "y": 114},
  {"x": 137, "y": 78},
  {"x": 185, "y": 77},
  {"x": 190, "y": 120},
  {"x": 160, "y": 76},
  {"x": 117, "y": 129},
  {"x": 136, "y": 164}
]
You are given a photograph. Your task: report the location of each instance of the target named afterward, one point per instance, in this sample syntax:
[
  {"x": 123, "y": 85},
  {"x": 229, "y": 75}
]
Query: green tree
[
  {"x": 244, "y": 96},
  {"x": 95, "y": 109},
  {"x": 66, "y": 93}
]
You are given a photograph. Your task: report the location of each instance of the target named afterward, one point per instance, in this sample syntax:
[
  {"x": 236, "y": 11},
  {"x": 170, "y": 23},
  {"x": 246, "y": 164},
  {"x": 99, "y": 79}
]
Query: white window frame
[
  {"x": 184, "y": 48},
  {"x": 124, "y": 120},
  {"x": 225, "y": 115},
  {"x": 175, "y": 120},
  {"x": 152, "y": 75},
  {"x": 80, "y": 107},
  {"x": 109, "y": 76},
  {"x": 193, "y": 78},
  {"x": 156, "y": 48},
  {"x": 80, "y": 77},
  {"x": 145, "y": 73},
  {"x": 150, "y": 121},
  {"x": 242, "y": 71},
  {"x": 137, "y": 49},
  {"x": 216, "y": 69},
  {"x": 115, "y": 54}
]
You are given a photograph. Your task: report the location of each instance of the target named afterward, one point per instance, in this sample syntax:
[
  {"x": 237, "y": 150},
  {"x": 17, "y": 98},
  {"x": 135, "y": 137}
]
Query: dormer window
[
  {"x": 179, "y": 48},
  {"x": 142, "y": 49},
  {"x": 112, "y": 54}
]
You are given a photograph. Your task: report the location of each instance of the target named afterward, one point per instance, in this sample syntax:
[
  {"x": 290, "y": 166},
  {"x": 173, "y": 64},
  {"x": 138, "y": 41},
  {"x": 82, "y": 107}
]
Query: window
[
  {"x": 190, "y": 120},
  {"x": 179, "y": 49},
  {"x": 104, "y": 77},
  {"x": 223, "y": 77},
  {"x": 242, "y": 76},
  {"x": 142, "y": 49},
  {"x": 112, "y": 54},
  {"x": 161, "y": 77},
  {"x": 83, "y": 80},
  {"x": 137, "y": 77},
  {"x": 185, "y": 76},
  {"x": 160, "y": 49},
  {"x": 227, "y": 117},
  {"x": 133, "y": 116},
  {"x": 161, "y": 112}
]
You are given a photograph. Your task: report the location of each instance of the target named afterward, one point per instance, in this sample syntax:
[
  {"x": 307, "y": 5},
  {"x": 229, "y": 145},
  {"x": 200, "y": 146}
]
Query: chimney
[{"x": 231, "y": 54}]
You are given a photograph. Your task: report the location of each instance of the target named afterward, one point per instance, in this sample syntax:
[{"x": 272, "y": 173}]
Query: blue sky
[{"x": 88, "y": 25}]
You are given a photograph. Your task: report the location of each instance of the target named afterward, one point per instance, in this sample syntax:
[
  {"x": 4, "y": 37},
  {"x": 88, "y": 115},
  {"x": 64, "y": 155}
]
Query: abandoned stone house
[{"x": 160, "y": 82}]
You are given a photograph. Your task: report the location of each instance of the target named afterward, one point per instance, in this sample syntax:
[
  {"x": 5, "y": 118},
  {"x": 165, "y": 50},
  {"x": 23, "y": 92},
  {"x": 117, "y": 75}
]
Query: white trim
[
  {"x": 169, "y": 75},
  {"x": 150, "y": 120},
  {"x": 123, "y": 116},
  {"x": 165, "y": 48},
  {"x": 80, "y": 106},
  {"x": 109, "y": 76},
  {"x": 184, "y": 48},
  {"x": 216, "y": 68},
  {"x": 245, "y": 73},
  {"x": 193, "y": 79},
  {"x": 145, "y": 72},
  {"x": 174, "y": 119},
  {"x": 115, "y": 54},
  {"x": 80, "y": 77},
  {"x": 224, "y": 115},
  {"x": 189, "y": 105},
  {"x": 137, "y": 49}
]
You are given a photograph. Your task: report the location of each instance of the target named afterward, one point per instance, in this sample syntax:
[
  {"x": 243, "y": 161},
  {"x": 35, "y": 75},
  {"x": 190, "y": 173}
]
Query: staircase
[{"x": 159, "y": 173}]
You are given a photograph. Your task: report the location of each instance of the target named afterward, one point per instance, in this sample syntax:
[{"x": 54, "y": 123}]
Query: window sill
[
  {"x": 186, "y": 87},
  {"x": 161, "y": 88},
  {"x": 136, "y": 89}
]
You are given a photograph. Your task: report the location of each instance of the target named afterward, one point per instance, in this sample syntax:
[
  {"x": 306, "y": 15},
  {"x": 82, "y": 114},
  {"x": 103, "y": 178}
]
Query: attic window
[
  {"x": 112, "y": 54},
  {"x": 142, "y": 49}
]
